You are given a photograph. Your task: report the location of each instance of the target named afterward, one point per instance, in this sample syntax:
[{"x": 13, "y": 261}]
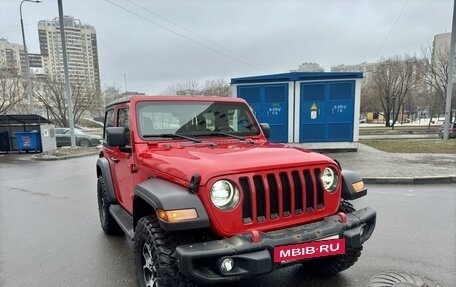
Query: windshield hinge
[{"x": 194, "y": 183}]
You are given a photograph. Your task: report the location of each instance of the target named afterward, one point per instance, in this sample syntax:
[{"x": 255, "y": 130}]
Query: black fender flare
[
  {"x": 348, "y": 191},
  {"x": 161, "y": 194},
  {"x": 104, "y": 171}
]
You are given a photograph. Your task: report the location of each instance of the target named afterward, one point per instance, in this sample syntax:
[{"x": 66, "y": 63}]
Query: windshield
[
  {"x": 79, "y": 132},
  {"x": 67, "y": 131},
  {"x": 195, "y": 118}
]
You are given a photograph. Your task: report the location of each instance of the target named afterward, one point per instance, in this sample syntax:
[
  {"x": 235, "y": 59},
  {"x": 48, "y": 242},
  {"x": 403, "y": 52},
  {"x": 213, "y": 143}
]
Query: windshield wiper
[
  {"x": 172, "y": 136},
  {"x": 217, "y": 133}
]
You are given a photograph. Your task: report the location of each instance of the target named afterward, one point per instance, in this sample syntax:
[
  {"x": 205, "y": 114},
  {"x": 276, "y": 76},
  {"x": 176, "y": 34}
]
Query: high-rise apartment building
[
  {"x": 11, "y": 56},
  {"x": 12, "y": 59},
  {"x": 82, "y": 51}
]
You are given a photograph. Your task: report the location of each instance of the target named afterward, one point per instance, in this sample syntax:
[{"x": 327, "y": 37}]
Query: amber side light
[
  {"x": 177, "y": 215},
  {"x": 358, "y": 186}
]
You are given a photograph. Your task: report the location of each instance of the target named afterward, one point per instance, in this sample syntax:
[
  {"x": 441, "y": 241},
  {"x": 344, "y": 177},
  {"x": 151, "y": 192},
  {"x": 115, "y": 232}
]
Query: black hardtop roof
[{"x": 119, "y": 101}]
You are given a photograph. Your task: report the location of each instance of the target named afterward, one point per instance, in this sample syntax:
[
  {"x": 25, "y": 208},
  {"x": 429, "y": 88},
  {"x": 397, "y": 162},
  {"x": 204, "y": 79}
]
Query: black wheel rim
[{"x": 149, "y": 268}]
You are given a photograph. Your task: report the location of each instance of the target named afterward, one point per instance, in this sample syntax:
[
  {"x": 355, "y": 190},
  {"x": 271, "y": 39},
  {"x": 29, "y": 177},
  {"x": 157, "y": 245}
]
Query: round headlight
[
  {"x": 329, "y": 179},
  {"x": 224, "y": 195}
]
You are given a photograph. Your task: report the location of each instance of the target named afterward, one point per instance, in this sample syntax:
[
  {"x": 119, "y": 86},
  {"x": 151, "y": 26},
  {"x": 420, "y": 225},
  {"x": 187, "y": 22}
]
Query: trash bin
[
  {"x": 4, "y": 142},
  {"x": 28, "y": 141}
]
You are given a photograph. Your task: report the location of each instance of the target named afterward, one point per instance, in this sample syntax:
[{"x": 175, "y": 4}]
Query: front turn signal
[
  {"x": 358, "y": 186},
  {"x": 177, "y": 215}
]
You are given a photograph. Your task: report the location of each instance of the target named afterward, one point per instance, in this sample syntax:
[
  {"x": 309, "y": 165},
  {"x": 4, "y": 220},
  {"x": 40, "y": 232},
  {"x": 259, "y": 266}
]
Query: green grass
[
  {"x": 63, "y": 151},
  {"x": 413, "y": 145},
  {"x": 398, "y": 130}
]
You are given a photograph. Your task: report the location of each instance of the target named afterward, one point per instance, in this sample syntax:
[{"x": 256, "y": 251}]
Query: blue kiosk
[{"x": 320, "y": 110}]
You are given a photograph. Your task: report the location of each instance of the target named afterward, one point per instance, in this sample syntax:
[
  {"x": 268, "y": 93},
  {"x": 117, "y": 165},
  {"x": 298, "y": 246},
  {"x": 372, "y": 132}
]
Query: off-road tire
[
  {"x": 108, "y": 223},
  {"x": 328, "y": 266},
  {"x": 155, "y": 250}
]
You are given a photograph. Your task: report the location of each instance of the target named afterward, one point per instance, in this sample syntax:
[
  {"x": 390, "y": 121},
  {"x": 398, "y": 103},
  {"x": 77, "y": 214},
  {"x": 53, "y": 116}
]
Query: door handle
[{"x": 115, "y": 159}]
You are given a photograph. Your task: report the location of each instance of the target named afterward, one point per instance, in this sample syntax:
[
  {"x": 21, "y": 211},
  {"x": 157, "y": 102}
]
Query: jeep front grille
[{"x": 281, "y": 194}]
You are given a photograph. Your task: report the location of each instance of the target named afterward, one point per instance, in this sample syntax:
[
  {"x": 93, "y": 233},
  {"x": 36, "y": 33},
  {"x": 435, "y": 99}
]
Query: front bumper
[{"x": 253, "y": 254}]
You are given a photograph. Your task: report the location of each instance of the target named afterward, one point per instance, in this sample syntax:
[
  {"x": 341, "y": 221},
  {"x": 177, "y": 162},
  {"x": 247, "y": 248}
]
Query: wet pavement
[
  {"x": 51, "y": 234},
  {"x": 374, "y": 166},
  {"x": 377, "y": 166}
]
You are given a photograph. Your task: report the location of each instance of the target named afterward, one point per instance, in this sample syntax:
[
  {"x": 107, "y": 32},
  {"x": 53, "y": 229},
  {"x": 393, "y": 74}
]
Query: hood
[{"x": 185, "y": 160}]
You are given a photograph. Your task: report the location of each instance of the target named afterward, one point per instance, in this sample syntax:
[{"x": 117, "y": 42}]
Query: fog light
[{"x": 227, "y": 265}]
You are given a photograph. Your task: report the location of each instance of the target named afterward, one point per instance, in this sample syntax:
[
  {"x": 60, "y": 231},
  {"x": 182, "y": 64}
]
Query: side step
[{"x": 124, "y": 219}]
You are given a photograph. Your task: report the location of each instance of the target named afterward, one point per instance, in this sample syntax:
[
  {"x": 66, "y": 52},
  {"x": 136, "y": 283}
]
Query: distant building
[
  {"x": 36, "y": 65},
  {"x": 131, "y": 93},
  {"x": 442, "y": 42},
  {"x": 35, "y": 61},
  {"x": 309, "y": 67},
  {"x": 365, "y": 68},
  {"x": 82, "y": 51},
  {"x": 11, "y": 56},
  {"x": 441, "y": 47}
]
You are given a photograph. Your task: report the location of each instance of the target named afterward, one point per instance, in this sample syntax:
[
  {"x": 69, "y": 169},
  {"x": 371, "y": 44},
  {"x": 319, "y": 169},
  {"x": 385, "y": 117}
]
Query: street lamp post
[{"x": 31, "y": 109}]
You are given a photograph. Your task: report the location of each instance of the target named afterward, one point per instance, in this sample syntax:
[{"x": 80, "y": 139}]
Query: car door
[
  {"x": 64, "y": 137},
  {"x": 59, "y": 136},
  {"x": 121, "y": 162}
]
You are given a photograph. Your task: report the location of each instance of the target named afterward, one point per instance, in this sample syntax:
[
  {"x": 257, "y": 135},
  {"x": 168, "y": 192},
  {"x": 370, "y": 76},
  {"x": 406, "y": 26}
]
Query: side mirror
[
  {"x": 266, "y": 129},
  {"x": 115, "y": 137}
]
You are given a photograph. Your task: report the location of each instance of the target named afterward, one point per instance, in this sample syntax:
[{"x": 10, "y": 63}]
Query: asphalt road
[{"x": 50, "y": 233}]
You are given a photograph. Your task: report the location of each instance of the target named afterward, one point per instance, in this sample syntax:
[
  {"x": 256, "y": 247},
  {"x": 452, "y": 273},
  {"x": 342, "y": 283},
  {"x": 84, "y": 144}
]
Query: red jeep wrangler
[{"x": 207, "y": 199}]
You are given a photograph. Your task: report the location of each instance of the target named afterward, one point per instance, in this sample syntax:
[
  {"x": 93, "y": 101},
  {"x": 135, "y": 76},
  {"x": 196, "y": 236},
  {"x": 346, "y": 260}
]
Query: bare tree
[
  {"x": 218, "y": 88},
  {"x": 51, "y": 94},
  {"x": 85, "y": 98},
  {"x": 184, "y": 88},
  {"x": 12, "y": 91},
  {"x": 369, "y": 100},
  {"x": 436, "y": 67},
  {"x": 215, "y": 87},
  {"x": 394, "y": 79},
  {"x": 108, "y": 95}
]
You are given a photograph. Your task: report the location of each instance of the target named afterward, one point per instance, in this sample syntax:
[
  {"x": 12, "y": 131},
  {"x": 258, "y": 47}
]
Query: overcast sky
[{"x": 158, "y": 43}]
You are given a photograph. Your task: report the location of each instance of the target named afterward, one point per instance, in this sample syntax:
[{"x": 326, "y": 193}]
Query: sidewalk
[
  {"x": 373, "y": 165},
  {"x": 377, "y": 166}
]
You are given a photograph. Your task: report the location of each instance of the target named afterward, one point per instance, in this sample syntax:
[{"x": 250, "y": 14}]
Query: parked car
[
  {"x": 451, "y": 133},
  {"x": 63, "y": 138}
]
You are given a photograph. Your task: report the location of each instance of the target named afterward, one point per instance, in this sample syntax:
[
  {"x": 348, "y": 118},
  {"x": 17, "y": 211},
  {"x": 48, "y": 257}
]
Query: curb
[
  {"x": 368, "y": 180},
  {"x": 410, "y": 180},
  {"x": 53, "y": 157}
]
